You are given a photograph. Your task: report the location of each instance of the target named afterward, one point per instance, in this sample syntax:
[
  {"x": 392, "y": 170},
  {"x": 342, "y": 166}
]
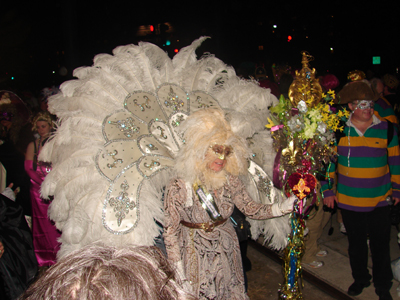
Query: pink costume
[{"x": 44, "y": 233}]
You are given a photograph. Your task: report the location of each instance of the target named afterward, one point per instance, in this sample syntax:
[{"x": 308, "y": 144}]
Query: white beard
[{"x": 213, "y": 180}]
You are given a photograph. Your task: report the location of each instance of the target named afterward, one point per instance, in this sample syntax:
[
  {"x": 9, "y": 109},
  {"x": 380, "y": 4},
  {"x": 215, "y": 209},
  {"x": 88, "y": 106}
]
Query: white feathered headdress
[{"x": 117, "y": 138}]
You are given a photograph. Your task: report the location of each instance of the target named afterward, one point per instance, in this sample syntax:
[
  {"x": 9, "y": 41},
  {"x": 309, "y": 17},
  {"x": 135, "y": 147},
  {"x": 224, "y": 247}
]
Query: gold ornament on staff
[
  {"x": 305, "y": 87},
  {"x": 292, "y": 152},
  {"x": 305, "y": 93},
  {"x": 303, "y": 128}
]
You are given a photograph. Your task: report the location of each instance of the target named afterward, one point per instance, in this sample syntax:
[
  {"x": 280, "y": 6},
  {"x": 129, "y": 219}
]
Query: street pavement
[{"x": 328, "y": 282}]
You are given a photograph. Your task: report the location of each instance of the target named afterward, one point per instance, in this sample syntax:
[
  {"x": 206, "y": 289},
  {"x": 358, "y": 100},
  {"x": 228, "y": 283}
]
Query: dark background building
[{"x": 43, "y": 43}]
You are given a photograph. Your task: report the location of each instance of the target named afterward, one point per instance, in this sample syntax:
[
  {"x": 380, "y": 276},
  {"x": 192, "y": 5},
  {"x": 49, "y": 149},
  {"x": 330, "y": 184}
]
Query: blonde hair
[
  {"x": 98, "y": 272},
  {"x": 42, "y": 116},
  {"x": 200, "y": 130}
]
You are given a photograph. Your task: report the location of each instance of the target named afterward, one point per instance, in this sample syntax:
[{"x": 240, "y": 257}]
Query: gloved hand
[{"x": 283, "y": 207}]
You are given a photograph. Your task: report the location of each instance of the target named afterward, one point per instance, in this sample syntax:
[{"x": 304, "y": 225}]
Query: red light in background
[
  {"x": 176, "y": 50},
  {"x": 289, "y": 38},
  {"x": 151, "y": 28}
]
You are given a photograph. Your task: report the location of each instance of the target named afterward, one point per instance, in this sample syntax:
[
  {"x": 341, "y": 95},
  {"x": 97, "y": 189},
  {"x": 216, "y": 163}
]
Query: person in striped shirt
[
  {"x": 383, "y": 108},
  {"x": 368, "y": 169}
]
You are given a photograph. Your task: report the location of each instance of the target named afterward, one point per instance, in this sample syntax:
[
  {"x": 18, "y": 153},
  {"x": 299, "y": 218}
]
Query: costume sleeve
[
  {"x": 32, "y": 174},
  {"x": 246, "y": 205},
  {"x": 175, "y": 195},
  {"x": 394, "y": 164}
]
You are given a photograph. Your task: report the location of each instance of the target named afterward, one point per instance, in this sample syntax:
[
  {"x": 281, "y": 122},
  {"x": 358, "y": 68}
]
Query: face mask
[
  {"x": 221, "y": 151},
  {"x": 364, "y": 104}
]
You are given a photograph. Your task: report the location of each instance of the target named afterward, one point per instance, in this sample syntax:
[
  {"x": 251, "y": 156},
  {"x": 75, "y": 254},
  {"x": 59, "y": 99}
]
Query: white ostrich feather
[{"x": 111, "y": 120}]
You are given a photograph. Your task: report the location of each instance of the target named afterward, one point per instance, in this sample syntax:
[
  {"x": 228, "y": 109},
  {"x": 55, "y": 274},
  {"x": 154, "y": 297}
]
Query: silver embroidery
[
  {"x": 122, "y": 204},
  {"x": 152, "y": 164},
  {"x": 178, "y": 121},
  {"x": 151, "y": 147},
  {"x": 144, "y": 104},
  {"x": 127, "y": 126},
  {"x": 201, "y": 104},
  {"x": 173, "y": 100},
  {"x": 164, "y": 136},
  {"x": 116, "y": 160},
  {"x": 264, "y": 185}
]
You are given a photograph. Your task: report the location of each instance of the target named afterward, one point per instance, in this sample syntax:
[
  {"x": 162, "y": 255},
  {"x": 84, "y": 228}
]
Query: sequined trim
[{"x": 148, "y": 121}]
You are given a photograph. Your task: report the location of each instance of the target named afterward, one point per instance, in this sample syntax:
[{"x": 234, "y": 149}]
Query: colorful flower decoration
[{"x": 303, "y": 129}]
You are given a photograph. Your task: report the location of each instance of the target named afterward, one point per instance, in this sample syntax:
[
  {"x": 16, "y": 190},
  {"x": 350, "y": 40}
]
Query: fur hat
[{"x": 357, "y": 90}]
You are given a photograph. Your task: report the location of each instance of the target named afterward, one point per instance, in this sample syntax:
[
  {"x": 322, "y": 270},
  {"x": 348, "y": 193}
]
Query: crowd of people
[
  {"x": 28, "y": 236},
  {"x": 202, "y": 246}
]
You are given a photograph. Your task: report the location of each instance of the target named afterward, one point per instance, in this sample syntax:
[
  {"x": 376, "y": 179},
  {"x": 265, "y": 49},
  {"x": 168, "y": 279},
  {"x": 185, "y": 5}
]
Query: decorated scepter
[{"x": 303, "y": 129}]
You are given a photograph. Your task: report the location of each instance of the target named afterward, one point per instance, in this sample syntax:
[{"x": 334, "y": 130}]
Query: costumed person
[
  {"x": 18, "y": 265},
  {"x": 15, "y": 135},
  {"x": 200, "y": 238},
  {"x": 390, "y": 92},
  {"x": 383, "y": 108},
  {"x": 14, "y": 116},
  {"x": 368, "y": 173},
  {"x": 118, "y": 138},
  {"x": 45, "y": 234}
]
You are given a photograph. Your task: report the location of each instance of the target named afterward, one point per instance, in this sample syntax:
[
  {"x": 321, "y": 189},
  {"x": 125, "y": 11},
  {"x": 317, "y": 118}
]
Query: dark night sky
[{"x": 37, "y": 38}]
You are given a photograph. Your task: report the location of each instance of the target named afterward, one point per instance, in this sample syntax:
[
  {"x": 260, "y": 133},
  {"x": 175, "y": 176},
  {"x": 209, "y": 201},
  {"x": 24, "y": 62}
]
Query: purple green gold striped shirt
[
  {"x": 368, "y": 169},
  {"x": 383, "y": 110}
]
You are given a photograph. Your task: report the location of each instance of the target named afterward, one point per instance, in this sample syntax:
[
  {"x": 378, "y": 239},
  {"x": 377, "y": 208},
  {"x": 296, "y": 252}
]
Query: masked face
[
  {"x": 365, "y": 104},
  {"x": 221, "y": 151},
  {"x": 362, "y": 110}
]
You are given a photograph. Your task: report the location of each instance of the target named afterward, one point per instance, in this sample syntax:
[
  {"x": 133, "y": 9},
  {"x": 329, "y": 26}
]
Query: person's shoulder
[
  {"x": 30, "y": 151},
  {"x": 31, "y": 145}
]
